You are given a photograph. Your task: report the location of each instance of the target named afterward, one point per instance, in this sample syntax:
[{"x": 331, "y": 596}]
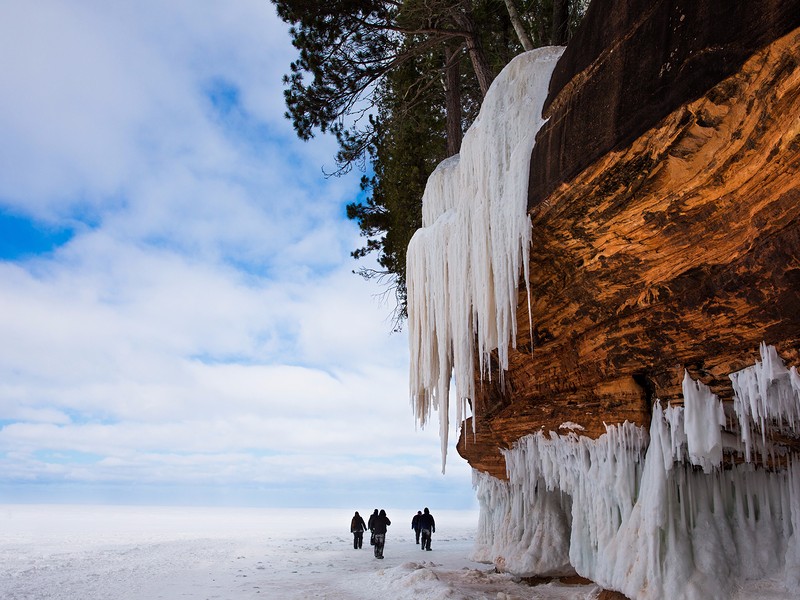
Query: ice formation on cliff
[
  {"x": 767, "y": 396},
  {"x": 658, "y": 516},
  {"x": 464, "y": 264},
  {"x": 686, "y": 510}
]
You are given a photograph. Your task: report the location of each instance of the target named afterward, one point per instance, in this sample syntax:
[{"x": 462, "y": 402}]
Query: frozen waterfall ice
[{"x": 464, "y": 264}]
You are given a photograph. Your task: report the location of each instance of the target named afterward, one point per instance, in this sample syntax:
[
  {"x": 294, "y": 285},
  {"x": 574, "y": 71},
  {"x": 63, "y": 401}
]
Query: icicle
[{"x": 766, "y": 395}]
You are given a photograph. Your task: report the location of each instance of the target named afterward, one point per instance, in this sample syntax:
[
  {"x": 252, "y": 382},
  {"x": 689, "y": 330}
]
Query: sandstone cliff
[{"x": 665, "y": 205}]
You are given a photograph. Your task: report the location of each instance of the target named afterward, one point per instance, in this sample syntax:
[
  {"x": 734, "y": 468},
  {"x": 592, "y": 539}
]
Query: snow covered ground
[{"x": 144, "y": 553}]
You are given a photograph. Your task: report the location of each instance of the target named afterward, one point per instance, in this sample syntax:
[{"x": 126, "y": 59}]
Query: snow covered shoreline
[{"x": 64, "y": 552}]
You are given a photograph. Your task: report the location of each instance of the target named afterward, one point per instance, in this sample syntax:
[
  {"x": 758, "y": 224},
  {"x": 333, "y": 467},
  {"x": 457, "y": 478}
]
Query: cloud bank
[{"x": 176, "y": 298}]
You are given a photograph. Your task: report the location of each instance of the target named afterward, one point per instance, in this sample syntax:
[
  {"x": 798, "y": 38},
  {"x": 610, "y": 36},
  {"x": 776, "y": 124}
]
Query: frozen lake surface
[{"x": 144, "y": 553}]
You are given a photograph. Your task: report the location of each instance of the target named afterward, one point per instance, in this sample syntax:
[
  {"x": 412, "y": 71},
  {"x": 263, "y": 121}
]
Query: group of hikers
[
  {"x": 422, "y": 523},
  {"x": 378, "y": 522}
]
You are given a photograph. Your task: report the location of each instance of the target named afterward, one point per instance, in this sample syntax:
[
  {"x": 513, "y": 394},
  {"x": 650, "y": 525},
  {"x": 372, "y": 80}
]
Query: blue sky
[{"x": 179, "y": 319}]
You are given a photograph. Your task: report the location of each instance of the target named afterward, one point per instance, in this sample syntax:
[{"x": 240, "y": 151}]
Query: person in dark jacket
[
  {"x": 369, "y": 526},
  {"x": 415, "y": 524},
  {"x": 379, "y": 525},
  {"x": 357, "y": 528},
  {"x": 427, "y": 525}
]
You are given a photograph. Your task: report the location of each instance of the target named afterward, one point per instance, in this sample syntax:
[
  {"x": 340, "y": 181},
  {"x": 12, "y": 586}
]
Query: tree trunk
[
  {"x": 452, "y": 90},
  {"x": 560, "y": 30},
  {"x": 477, "y": 56},
  {"x": 519, "y": 26}
]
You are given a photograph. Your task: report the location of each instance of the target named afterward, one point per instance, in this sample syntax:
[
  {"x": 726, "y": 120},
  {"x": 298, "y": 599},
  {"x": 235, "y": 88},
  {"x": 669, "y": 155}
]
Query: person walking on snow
[
  {"x": 369, "y": 526},
  {"x": 415, "y": 524},
  {"x": 427, "y": 525},
  {"x": 357, "y": 528},
  {"x": 379, "y": 525}
]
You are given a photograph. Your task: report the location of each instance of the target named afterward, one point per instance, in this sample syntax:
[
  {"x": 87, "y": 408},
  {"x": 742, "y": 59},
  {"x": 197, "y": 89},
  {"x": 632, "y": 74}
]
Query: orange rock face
[{"x": 680, "y": 251}]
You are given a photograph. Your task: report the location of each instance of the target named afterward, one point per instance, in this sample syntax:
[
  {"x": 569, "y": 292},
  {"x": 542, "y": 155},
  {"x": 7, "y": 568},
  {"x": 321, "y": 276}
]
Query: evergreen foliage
[{"x": 409, "y": 143}]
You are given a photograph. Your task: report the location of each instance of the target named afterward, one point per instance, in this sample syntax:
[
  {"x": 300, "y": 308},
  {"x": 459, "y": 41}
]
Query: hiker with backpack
[
  {"x": 357, "y": 528},
  {"x": 415, "y": 524},
  {"x": 369, "y": 526}
]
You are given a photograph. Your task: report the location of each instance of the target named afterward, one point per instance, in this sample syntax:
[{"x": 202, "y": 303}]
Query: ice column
[
  {"x": 523, "y": 528},
  {"x": 464, "y": 264}
]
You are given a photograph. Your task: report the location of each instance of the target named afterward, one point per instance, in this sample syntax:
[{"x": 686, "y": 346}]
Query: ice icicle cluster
[
  {"x": 463, "y": 265},
  {"x": 704, "y": 419},
  {"x": 767, "y": 395},
  {"x": 633, "y": 512},
  {"x": 528, "y": 525}
]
